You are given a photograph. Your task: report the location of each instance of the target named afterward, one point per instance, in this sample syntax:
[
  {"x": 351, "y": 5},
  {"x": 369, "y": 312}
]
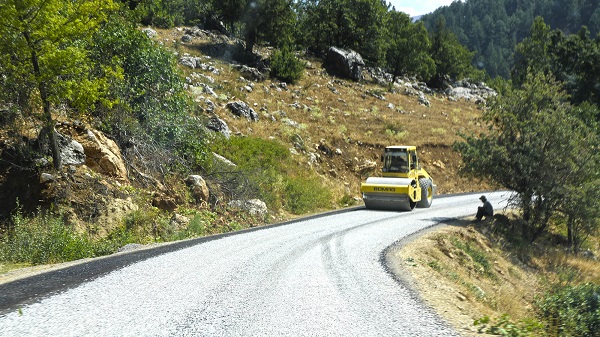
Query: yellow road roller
[{"x": 404, "y": 184}]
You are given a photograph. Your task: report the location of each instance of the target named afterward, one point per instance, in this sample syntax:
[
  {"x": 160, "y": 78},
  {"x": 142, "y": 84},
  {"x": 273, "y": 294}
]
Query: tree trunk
[
  {"x": 250, "y": 40},
  {"x": 49, "y": 122},
  {"x": 570, "y": 234}
]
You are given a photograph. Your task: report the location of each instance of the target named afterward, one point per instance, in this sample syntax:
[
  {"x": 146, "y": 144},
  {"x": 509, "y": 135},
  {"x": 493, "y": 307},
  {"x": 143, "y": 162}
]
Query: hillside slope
[{"x": 333, "y": 126}]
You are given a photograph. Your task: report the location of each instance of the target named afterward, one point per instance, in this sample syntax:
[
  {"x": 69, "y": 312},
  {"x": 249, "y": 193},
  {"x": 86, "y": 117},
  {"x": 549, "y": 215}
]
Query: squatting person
[{"x": 486, "y": 210}]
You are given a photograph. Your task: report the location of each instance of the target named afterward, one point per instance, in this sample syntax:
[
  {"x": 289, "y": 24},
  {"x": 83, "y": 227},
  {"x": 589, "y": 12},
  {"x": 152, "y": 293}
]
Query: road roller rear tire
[{"x": 426, "y": 193}]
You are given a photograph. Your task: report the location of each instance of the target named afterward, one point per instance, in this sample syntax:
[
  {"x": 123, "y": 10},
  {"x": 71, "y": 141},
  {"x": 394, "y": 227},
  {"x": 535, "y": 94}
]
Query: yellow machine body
[{"x": 404, "y": 184}]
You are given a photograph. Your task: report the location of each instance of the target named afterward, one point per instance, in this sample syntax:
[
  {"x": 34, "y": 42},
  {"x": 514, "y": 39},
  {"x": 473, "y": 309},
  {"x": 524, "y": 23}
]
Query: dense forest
[
  {"x": 492, "y": 28},
  {"x": 384, "y": 37}
]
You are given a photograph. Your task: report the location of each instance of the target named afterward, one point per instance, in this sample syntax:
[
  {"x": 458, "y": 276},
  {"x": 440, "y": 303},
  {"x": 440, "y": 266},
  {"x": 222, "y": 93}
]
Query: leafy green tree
[
  {"x": 532, "y": 54},
  {"x": 43, "y": 55},
  {"x": 230, "y": 11},
  {"x": 408, "y": 47},
  {"x": 580, "y": 208},
  {"x": 572, "y": 59},
  {"x": 161, "y": 13},
  {"x": 536, "y": 146},
  {"x": 479, "y": 23},
  {"x": 313, "y": 27},
  {"x": 451, "y": 58},
  {"x": 357, "y": 25},
  {"x": 272, "y": 21}
]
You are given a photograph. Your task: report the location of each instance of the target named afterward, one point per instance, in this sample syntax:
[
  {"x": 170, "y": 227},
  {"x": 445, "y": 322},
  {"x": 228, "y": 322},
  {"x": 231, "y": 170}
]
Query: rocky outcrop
[
  {"x": 251, "y": 73},
  {"x": 112, "y": 215},
  {"x": 101, "y": 153},
  {"x": 71, "y": 151},
  {"x": 472, "y": 92},
  {"x": 344, "y": 63}
]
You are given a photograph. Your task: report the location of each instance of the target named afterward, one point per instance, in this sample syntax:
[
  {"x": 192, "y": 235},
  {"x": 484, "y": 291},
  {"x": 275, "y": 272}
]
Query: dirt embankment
[{"x": 463, "y": 276}]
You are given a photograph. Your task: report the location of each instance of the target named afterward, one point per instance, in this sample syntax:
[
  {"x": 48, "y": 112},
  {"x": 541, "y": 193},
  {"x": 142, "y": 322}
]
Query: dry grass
[{"x": 463, "y": 291}]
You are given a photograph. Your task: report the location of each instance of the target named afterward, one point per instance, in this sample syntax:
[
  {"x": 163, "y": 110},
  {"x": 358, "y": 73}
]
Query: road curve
[{"x": 319, "y": 277}]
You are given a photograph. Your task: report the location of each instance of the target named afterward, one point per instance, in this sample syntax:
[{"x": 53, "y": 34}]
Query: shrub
[
  {"x": 571, "y": 310},
  {"x": 285, "y": 66},
  {"x": 504, "y": 326},
  {"x": 303, "y": 195},
  {"x": 265, "y": 170},
  {"x": 152, "y": 108}
]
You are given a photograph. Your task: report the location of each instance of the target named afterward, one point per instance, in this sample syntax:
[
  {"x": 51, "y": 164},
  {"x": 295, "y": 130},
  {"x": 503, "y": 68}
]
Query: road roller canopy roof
[{"x": 400, "y": 148}]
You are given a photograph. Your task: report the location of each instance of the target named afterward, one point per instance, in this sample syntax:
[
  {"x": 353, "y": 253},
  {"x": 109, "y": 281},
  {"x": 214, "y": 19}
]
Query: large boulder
[
  {"x": 71, "y": 151},
  {"x": 241, "y": 109},
  {"x": 344, "y": 63},
  {"x": 101, "y": 153},
  {"x": 198, "y": 187}
]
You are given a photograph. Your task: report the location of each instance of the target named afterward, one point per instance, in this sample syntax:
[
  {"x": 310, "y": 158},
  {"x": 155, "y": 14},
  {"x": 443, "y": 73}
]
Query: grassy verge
[
  {"x": 47, "y": 238},
  {"x": 488, "y": 280}
]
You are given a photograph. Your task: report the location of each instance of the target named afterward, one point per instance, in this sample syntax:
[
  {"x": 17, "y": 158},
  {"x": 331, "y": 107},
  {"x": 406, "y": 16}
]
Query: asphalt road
[{"x": 318, "y": 277}]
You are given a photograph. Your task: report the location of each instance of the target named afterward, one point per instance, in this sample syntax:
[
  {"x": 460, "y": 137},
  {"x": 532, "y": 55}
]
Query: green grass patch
[
  {"x": 43, "y": 239},
  {"x": 478, "y": 256},
  {"x": 435, "y": 265}
]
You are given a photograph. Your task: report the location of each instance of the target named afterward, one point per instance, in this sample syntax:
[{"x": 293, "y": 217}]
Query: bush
[
  {"x": 43, "y": 239},
  {"x": 504, "y": 326},
  {"x": 265, "y": 170},
  {"x": 285, "y": 66},
  {"x": 571, "y": 310}
]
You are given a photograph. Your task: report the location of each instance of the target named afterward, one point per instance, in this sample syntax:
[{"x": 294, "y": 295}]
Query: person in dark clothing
[{"x": 486, "y": 210}]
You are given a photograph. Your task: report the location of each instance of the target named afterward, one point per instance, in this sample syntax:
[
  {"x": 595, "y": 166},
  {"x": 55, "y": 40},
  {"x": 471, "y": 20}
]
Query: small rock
[
  {"x": 198, "y": 187},
  {"x": 150, "y": 32},
  {"x": 252, "y": 206},
  {"x": 439, "y": 164},
  {"x": 186, "y": 39},
  {"x": 46, "y": 178},
  {"x": 179, "y": 221}
]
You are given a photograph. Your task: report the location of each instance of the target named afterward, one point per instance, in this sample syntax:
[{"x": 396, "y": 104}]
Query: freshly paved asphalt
[{"x": 321, "y": 276}]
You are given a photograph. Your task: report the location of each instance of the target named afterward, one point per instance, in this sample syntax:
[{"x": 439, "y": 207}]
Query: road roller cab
[{"x": 404, "y": 184}]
